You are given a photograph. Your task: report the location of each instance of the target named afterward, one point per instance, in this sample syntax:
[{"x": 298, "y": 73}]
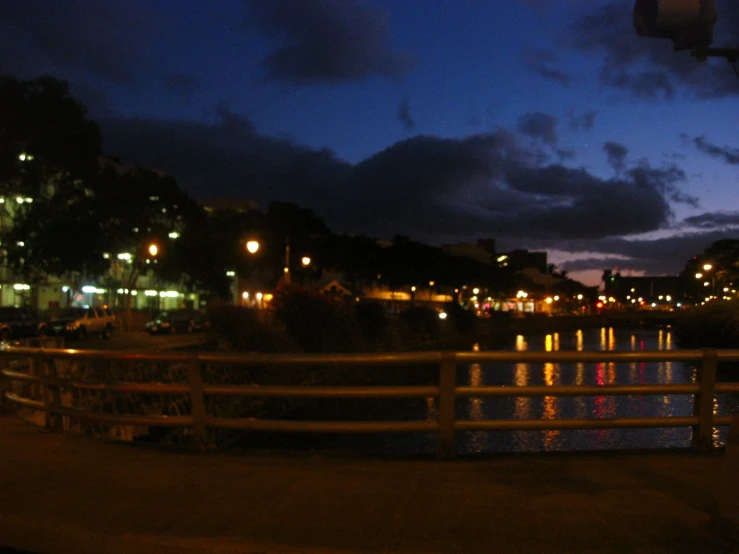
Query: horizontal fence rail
[{"x": 45, "y": 374}]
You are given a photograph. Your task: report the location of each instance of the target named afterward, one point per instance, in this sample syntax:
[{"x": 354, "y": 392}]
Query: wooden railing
[{"x": 45, "y": 373}]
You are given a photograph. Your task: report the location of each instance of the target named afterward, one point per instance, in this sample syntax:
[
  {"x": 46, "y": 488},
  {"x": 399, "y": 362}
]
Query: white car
[{"x": 82, "y": 322}]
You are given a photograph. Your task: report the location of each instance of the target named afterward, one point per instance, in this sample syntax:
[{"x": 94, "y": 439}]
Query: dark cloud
[
  {"x": 540, "y": 126},
  {"x": 540, "y": 62},
  {"x": 726, "y": 153},
  {"x": 664, "y": 179},
  {"x": 616, "y": 153},
  {"x": 227, "y": 158},
  {"x": 328, "y": 41},
  {"x": 404, "y": 115},
  {"x": 658, "y": 256},
  {"x": 649, "y": 68},
  {"x": 433, "y": 189},
  {"x": 584, "y": 121},
  {"x": 564, "y": 154},
  {"x": 182, "y": 83},
  {"x": 108, "y": 39},
  {"x": 714, "y": 220}
]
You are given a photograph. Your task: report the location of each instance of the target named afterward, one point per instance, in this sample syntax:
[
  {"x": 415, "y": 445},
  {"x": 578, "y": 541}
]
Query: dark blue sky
[{"x": 546, "y": 124}]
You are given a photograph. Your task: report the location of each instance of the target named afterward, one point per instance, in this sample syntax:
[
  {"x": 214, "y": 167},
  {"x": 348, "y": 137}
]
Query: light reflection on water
[{"x": 602, "y": 373}]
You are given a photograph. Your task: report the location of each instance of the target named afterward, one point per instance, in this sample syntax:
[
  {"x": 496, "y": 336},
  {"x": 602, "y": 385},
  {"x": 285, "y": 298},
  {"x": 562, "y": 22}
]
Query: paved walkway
[{"x": 71, "y": 494}]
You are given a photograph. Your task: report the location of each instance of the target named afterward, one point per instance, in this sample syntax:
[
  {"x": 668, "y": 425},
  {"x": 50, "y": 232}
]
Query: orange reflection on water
[
  {"x": 521, "y": 344},
  {"x": 551, "y": 374},
  {"x": 579, "y": 373},
  {"x": 548, "y": 343},
  {"x": 579, "y": 340},
  {"x": 551, "y": 436},
  {"x": 611, "y": 373},
  {"x": 475, "y": 375},
  {"x": 521, "y": 379}
]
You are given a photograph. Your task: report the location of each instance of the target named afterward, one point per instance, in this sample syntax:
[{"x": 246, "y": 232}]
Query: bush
[
  {"x": 240, "y": 329},
  {"x": 464, "y": 321},
  {"x": 373, "y": 321},
  {"x": 316, "y": 322},
  {"x": 422, "y": 322},
  {"x": 715, "y": 325}
]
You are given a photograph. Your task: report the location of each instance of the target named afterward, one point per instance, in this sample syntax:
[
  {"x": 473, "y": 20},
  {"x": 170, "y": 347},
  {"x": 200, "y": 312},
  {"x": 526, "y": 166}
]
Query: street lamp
[
  {"x": 305, "y": 260},
  {"x": 252, "y": 246},
  {"x": 153, "y": 250}
]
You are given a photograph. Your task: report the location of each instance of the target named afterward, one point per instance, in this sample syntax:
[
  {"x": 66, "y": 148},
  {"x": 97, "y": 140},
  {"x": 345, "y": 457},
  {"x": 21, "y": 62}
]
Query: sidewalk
[{"x": 72, "y": 494}]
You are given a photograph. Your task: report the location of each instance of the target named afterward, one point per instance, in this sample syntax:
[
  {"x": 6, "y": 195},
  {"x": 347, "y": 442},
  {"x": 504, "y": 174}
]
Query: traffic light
[{"x": 687, "y": 23}]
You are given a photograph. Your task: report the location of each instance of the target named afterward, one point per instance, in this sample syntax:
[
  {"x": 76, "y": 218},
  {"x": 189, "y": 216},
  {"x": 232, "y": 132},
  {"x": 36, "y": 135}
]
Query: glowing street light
[
  {"x": 153, "y": 250},
  {"x": 252, "y": 246},
  {"x": 305, "y": 260}
]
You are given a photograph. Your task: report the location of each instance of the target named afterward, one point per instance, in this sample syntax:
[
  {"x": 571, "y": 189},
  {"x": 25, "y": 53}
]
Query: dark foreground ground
[{"x": 72, "y": 494}]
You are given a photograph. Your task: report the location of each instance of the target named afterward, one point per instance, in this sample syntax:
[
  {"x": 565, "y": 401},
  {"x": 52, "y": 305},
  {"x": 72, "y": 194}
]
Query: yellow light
[
  {"x": 475, "y": 290},
  {"x": 305, "y": 260},
  {"x": 245, "y": 295},
  {"x": 153, "y": 250},
  {"x": 431, "y": 283},
  {"x": 698, "y": 275},
  {"x": 707, "y": 267},
  {"x": 259, "y": 296},
  {"x": 252, "y": 246},
  {"x": 548, "y": 300},
  {"x": 556, "y": 298},
  {"x": 268, "y": 297},
  {"x": 668, "y": 298},
  {"x": 413, "y": 289},
  {"x": 579, "y": 296}
]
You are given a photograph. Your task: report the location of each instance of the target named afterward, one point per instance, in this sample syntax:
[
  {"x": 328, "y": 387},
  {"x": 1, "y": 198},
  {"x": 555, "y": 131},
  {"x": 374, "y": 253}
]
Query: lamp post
[{"x": 708, "y": 268}]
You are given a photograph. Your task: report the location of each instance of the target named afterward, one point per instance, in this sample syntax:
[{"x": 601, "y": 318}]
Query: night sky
[{"x": 546, "y": 124}]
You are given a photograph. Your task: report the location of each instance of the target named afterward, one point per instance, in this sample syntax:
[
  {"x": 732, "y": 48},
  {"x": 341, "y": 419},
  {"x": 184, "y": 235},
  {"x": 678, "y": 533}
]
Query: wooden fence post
[
  {"x": 5, "y": 385},
  {"x": 52, "y": 394},
  {"x": 197, "y": 405},
  {"x": 447, "y": 404},
  {"x": 703, "y": 403}
]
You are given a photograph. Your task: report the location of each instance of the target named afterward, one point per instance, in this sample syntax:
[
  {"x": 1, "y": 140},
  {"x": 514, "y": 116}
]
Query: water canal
[{"x": 520, "y": 374}]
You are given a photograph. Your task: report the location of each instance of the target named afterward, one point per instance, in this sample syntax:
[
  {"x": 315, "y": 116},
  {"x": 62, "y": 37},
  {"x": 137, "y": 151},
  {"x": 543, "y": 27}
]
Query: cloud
[
  {"x": 540, "y": 126},
  {"x": 539, "y": 62},
  {"x": 327, "y": 41},
  {"x": 404, "y": 115},
  {"x": 182, "y": 83},
  {"x": 648, "y": 68},
  {"x": 108, "y": 39},
  {"x": 585, "y": 121},
  {"x": 714, "y": 220},
  {"x": 616, "y": 153},
  {"x": 227, "y": 158},
  {"x": 433, "y": 189},
  {"x": 728, "y": 154}
]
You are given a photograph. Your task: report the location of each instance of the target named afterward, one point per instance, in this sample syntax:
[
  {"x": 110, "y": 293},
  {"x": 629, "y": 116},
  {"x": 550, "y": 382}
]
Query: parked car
[
  {"x": 176, "y": 321},
  {"x": 81, "y": 322},
  {"x": 18, "y": 323}
]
